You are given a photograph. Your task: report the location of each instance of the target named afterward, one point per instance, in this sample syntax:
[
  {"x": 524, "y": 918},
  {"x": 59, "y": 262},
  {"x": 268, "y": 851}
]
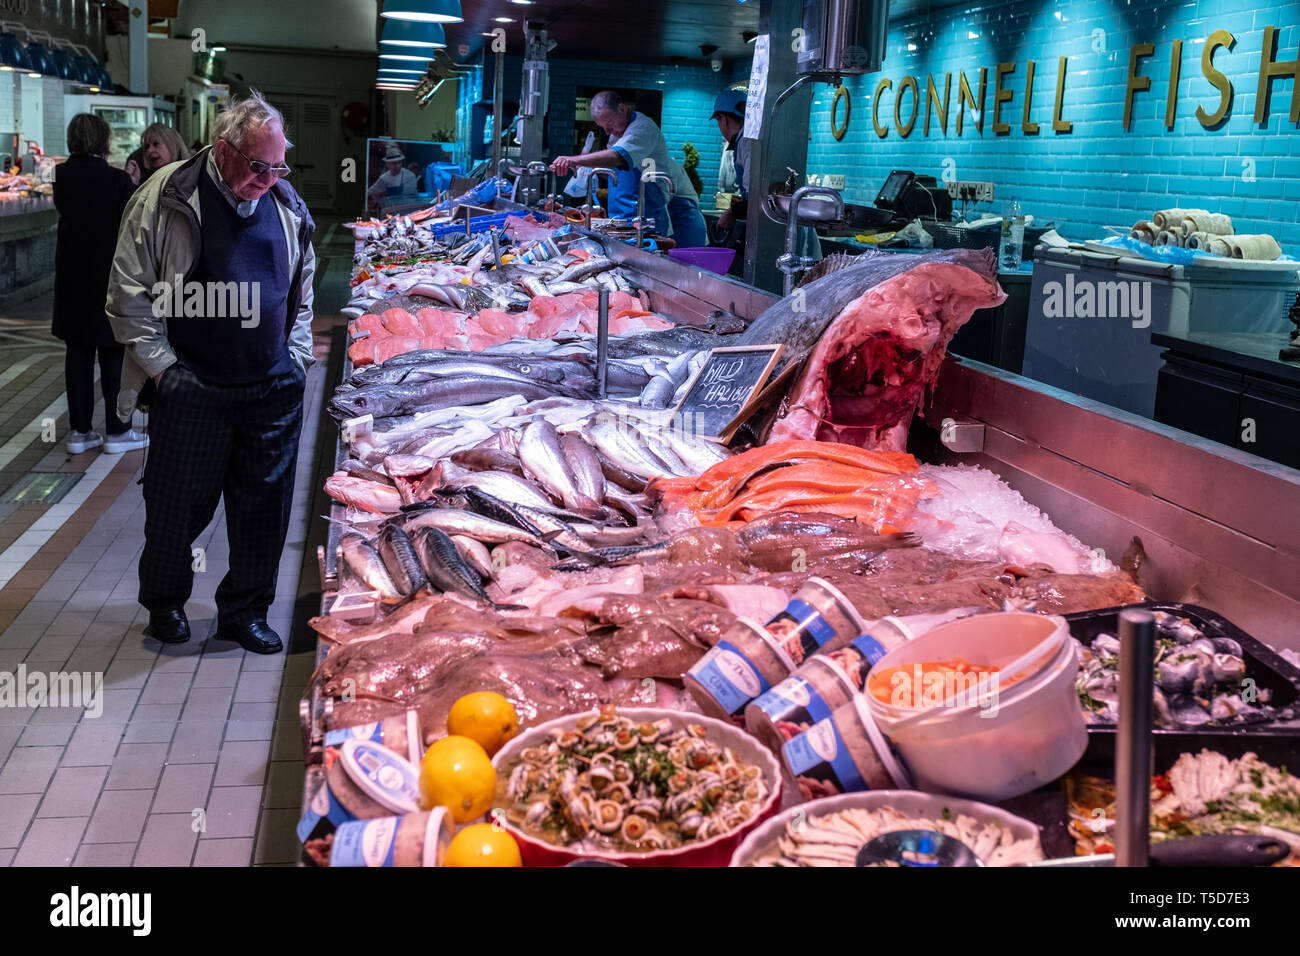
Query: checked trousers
[{"x": 207, "y": 442}]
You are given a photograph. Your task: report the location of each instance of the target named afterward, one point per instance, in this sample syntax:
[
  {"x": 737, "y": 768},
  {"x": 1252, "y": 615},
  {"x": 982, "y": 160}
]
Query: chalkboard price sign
[{"x": 722, "y": 388}]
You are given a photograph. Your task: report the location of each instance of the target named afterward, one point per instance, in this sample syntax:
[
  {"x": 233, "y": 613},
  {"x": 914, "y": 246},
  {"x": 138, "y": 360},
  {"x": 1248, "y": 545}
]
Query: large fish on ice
[{"x": 874, "y": 329}]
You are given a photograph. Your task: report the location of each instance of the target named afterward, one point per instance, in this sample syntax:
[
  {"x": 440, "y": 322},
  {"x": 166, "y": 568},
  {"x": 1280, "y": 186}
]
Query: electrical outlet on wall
[
  {"x": 835, "y": 181},
  {"x": 971, "y": 191}
]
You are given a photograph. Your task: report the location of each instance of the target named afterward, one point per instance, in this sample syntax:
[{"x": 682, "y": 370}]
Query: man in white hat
[{"x": 394, "y": 182}]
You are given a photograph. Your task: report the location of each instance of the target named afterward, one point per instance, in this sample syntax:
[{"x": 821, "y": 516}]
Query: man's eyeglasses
[{"x": 258, "y": 167}]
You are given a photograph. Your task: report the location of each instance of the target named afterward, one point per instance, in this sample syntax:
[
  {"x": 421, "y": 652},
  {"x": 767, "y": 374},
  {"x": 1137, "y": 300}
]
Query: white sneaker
[
  {"x": 129, "y": 440},
  {"x": 83, "y": 441}
]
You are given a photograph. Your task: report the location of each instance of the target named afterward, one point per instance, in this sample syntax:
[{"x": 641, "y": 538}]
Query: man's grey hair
[
  {"x": 241, "y": 116},
  {"x": 606, "y": 101}
]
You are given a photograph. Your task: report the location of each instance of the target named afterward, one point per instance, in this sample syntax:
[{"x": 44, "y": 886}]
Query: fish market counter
[
  {"x": 1194, "y": 521},
  {"x": 28, "y": 234}
]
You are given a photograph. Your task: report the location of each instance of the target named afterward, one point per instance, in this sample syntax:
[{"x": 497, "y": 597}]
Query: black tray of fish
[{"x": 1210, "y": 675}]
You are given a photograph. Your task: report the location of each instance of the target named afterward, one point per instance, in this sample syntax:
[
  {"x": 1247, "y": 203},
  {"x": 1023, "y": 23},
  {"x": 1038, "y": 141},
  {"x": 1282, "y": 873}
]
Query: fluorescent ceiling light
[
  {"x": 417, "y": 57},
  {"x": 399, "y": 33},
  {"x": 424, "y": 11},
  {"x": 503, "y": 19}
]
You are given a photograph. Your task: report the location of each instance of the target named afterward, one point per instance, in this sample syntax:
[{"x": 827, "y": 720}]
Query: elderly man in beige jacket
[{"x": 211, "y": 293}]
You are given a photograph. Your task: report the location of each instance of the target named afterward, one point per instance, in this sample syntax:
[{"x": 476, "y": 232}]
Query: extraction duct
[{"x": 843, "y": 37}]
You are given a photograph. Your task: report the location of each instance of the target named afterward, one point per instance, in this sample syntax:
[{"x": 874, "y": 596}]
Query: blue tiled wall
[
  {"x": 688, "y": 91},
  {"x": 1098, "y": 174}
]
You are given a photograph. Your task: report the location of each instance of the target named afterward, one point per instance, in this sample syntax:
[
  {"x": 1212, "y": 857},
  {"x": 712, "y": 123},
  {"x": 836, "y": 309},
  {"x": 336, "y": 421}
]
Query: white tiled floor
[{"x": 191, "y": 763}]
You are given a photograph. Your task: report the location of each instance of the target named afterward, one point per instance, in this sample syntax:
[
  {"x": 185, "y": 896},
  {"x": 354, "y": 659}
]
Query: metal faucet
[
  {"x": 790, "y": 264},
  {"x": 656, "y": 176},
  {"x": 538, "y": 168},
  {"x": 611, "y": 178}
]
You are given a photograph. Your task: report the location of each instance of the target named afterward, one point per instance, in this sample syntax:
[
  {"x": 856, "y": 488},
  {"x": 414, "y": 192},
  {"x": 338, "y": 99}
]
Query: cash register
[{"x": 910, "y": 196}]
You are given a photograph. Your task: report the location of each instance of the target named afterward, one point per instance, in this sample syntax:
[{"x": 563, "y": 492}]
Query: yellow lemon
[
  {"x": 482, "y": 845},
  {"x": 484, "y": 717},
  {"x": 456, "y": 773}
]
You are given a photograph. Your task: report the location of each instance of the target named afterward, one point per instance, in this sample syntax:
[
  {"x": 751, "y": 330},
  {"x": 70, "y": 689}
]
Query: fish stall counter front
[{"x": 720, "y": 640}]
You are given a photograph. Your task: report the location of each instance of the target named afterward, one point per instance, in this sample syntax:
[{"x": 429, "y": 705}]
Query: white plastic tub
[{"x": 1028, "y": 734}]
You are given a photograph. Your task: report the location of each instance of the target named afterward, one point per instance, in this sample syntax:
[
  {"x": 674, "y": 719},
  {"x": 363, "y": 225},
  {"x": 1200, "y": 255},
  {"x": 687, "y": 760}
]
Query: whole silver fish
[
  {"x": 446, "y": 569},
  {"x": 476, "y": 555},
  {"x": 585, "y": 466},
  {"x": 476, "y": 388},
  {"x": 542, "y": 457},
  {"x": 398, "y": 554},
  {"x": 697, "y": 454},
  {"x": 365, "y": 562},
  {"x": 453, "y": 521},
  {"x": 534, "y": 286},
  {"x": 509, "y": 488},
  {"x": 488, "y": 459},
  {"x": 583, "y": 270},
  {"x": 610, "y": 442}
]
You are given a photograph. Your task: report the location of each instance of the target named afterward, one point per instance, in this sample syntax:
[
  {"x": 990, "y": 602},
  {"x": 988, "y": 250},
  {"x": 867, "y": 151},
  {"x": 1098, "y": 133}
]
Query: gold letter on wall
[
  {"x": 964, "y": 98},
  {"x": 1001, "y": 96},
  {"x": 908, "y": 83},
  {"x": 839, "y": 129},
  {"x": 1058, "y": 124},
  {"x": 1268, "y": 69},
  {"x": 1135, "y": 83},
  {"x": 1220, "y": 82},
  {"x": 885, "y": 84},
  {"x": 932, "y": 99},
  {"x": 1026, "y": 127},
  {"x": 1175, "y": 71}
]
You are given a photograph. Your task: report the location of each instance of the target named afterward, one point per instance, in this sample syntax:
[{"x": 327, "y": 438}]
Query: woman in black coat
[{"x": 90, "y": 196}]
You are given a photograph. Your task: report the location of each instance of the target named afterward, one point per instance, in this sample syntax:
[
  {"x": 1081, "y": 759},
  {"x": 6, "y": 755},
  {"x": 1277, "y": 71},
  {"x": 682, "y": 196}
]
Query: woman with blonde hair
[{"x": 160, "y": 145}]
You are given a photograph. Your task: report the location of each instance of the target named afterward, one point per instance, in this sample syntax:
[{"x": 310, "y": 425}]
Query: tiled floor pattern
[{"x": 196, "y": 758}]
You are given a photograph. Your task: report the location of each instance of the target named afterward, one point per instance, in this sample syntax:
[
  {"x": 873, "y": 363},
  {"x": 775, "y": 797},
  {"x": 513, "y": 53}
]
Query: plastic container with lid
[
  {"x": 744, "y": 664},
  {"x": 399, "y": 734},
  {"x": 813, "y": 692},
  {"x": 416, "y": 839},
  {"x": 842, "y": 753},
  {"x": 366, "y": 781},
  {"x": 818, "y": 618},
  {"x": 1027, "y": 734}
]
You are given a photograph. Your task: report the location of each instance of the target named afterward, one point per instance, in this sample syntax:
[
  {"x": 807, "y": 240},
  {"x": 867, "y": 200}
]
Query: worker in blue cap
[{"x": 729, "y": 112}]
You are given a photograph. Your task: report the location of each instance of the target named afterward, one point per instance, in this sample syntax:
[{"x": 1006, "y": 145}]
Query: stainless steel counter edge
[{"x": 1220, "y": 527}]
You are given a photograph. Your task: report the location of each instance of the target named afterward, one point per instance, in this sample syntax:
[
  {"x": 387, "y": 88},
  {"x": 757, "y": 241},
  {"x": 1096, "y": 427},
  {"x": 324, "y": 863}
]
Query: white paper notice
[{"x": 757, "y": 89}]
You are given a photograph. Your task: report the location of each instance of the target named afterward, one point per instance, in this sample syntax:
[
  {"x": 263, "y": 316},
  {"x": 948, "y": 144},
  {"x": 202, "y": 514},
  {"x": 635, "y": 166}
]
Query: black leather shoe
[
  {"x": 254, "y": 636},
  {"x": 169, "y": 627}
]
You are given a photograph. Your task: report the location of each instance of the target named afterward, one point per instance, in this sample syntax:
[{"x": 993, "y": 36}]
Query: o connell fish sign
[{"x": 722, "y": 389}]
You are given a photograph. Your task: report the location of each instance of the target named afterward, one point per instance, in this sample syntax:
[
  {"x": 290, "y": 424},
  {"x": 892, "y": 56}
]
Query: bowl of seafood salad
[
  {"x": 830, "y": 831},
  {"x": 641, "y": 786}
]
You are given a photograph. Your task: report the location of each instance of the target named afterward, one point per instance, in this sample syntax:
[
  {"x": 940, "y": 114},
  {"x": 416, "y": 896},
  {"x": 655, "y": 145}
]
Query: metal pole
[
  {"x": 497, "y": 84},
  {"x": 602, "y": 340},
  {"x": 1137, "y": 637}
]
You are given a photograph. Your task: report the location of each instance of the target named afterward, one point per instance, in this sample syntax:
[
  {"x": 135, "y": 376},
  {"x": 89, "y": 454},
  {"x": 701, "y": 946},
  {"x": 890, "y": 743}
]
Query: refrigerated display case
[{"x": 127, "y": 117}]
